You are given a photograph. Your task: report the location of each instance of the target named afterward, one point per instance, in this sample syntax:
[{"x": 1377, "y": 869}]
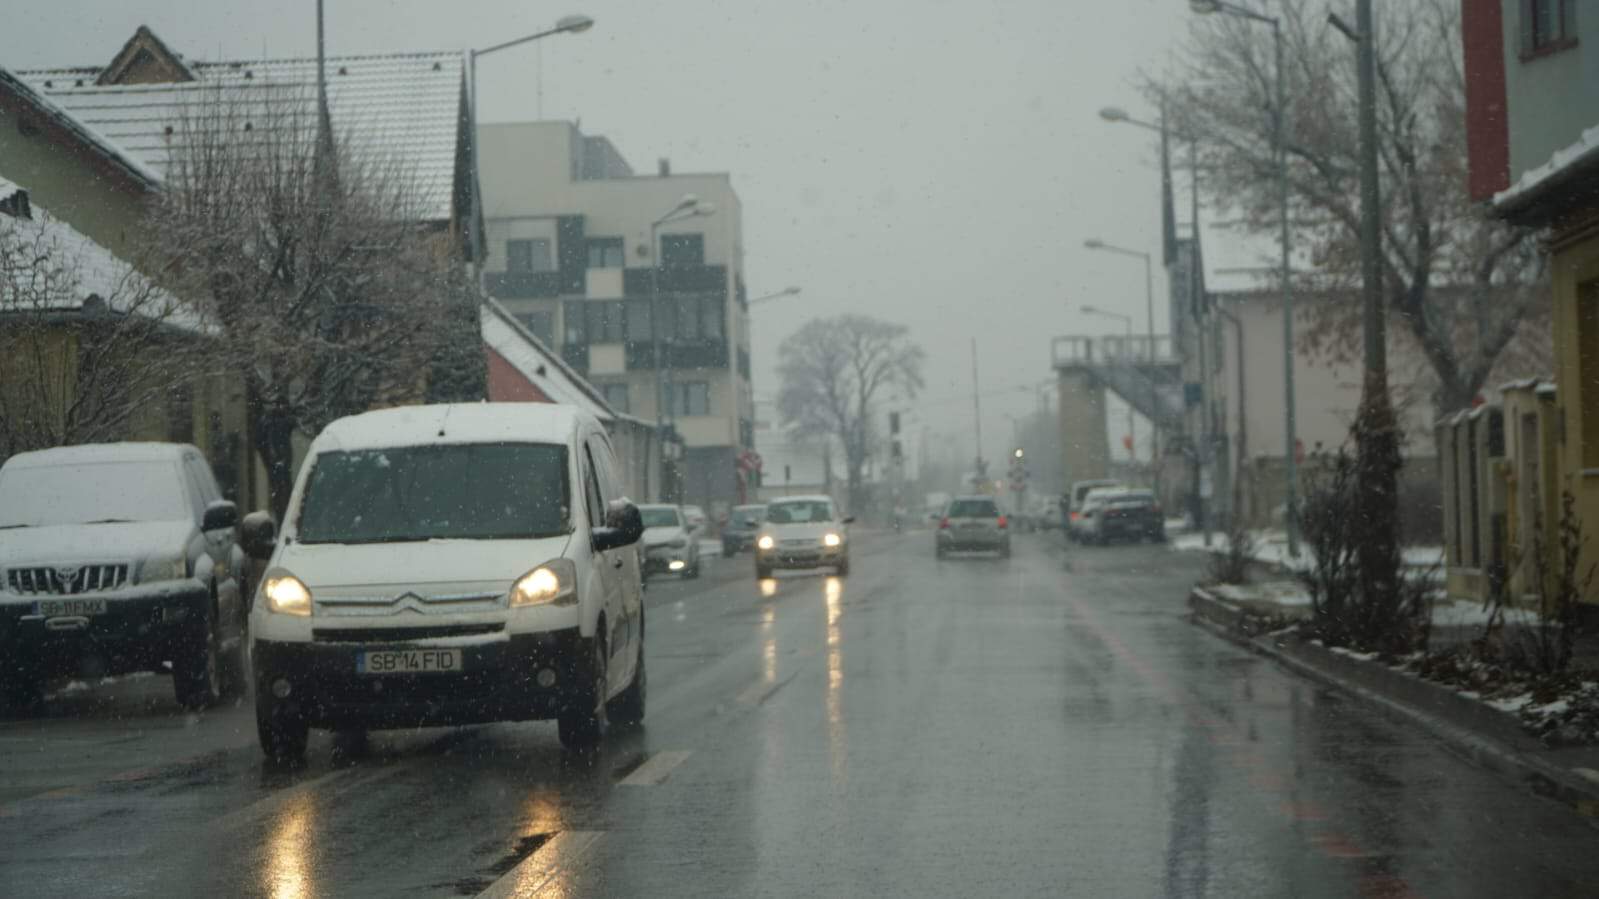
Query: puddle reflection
[
  {"x": 833, "y": 591},
  {"x": 288, "y": 871}
]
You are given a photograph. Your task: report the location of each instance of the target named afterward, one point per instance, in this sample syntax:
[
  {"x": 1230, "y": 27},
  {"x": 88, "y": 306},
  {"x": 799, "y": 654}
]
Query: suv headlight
[
  {"x": 153, "y": 570},
  {"x": 287, "y": 595},
  {"x": 551, "y": 583},
  {"x": 831, "y": 539},
  {"x": 765, "y": 541}
]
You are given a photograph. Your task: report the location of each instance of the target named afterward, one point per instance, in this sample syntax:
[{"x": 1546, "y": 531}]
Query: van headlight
[
  {"x": 286, "y": 595},
  {"x": 831, "y": 539},
  {"x": 765, "y": 541},
  {"x": 551, "y": 583}
]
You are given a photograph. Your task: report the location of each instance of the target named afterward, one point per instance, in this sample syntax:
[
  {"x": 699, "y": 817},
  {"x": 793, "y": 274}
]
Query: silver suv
[{"x": 115, "y": 558}]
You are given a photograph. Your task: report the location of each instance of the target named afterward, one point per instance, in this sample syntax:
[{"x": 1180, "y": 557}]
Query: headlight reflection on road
[
  {"x": 288, "y": 868},
  {"x": 833, "y": 591},
  {"x": 768, "y": 587}
]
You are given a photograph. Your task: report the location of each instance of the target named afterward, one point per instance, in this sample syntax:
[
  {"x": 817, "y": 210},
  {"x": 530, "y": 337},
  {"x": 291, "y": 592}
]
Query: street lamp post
[
  {"x": 785, "y": 292},
  {"x": 1204, "y": 456},
  {"x": 688, "y": 207},
  {"x": 1279, "y": 128},
  {"x": 574, "y": 24},
  {"x": 1095, "y": 243},
  {"x": 1126, "y": 320}
]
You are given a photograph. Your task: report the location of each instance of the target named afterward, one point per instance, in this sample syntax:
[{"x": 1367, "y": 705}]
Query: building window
[
  {"x": 540, "y": 322},
  {"x": 692, "y": 317},
  {"x": 616, "y": 396},
  {"x": 1587, "y": 386},
  {"x": 1547, "y": 25},
  {"x": 638, "y": 321},
  {"x": 605, "y": 252},
  {"x": 605, "y": 321},
  {"x": 573, "y": 318},
  {"x": 679, "y": 250},
  {"x": 689, "y": 398},
  {"x": 530, "y": 255}
]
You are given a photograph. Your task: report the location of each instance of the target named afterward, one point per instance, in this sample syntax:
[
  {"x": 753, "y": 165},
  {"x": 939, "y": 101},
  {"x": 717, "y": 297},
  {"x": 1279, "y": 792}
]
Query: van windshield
[{"x": 452, "y": 492}]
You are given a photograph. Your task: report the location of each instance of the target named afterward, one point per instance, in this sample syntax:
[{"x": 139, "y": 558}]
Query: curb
[{"x": 1482, "y": 735}]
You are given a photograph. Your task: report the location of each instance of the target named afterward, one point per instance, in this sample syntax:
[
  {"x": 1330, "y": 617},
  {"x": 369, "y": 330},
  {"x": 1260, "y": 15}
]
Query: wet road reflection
[{"x": 288, "y": 866}]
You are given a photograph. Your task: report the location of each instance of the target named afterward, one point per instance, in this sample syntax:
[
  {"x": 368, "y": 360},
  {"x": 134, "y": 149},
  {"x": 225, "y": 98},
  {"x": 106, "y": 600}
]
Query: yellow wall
[{"x": 1575, "y": 263}]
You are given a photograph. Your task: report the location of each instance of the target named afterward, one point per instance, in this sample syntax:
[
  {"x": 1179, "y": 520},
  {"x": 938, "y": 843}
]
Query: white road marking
[
  {"x": 655, "y": 771},
  {"x": 540, "y": 873}
]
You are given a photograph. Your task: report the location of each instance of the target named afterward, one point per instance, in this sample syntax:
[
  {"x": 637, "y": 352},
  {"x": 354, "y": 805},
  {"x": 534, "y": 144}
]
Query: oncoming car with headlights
[
  {"x": 802, "y": 532},
  {"x": 452, "y": 564}
]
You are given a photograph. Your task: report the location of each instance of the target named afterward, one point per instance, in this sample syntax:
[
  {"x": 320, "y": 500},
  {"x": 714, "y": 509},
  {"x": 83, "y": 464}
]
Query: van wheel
[
  {"x": 282, "y": 735},
  {"x": 197, "y": 669},
  {"x": 627, "y": 709},
  {"x": 583, "y": 720}
]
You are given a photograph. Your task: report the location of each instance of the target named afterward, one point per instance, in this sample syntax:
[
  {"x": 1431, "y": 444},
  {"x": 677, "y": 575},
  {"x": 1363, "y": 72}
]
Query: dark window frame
[
  {"x": 682, "y": 250},
  {"x": 612, "y": 252},
  {"x": 1547, "y": 27}
]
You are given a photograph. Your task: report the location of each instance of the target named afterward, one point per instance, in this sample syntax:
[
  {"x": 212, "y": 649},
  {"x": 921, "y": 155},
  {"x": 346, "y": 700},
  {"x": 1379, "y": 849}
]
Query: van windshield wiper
[
  {"x": 111, "y": 521},
  {"x": 7, "y": 527}
]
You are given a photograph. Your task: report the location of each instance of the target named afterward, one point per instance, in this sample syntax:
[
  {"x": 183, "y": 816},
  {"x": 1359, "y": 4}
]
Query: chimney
[{"x": 665, "y": 166}]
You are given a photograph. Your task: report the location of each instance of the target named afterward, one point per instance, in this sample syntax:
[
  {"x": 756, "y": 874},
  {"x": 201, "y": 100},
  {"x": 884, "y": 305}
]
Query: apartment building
[{"x": 574, "y": 253}]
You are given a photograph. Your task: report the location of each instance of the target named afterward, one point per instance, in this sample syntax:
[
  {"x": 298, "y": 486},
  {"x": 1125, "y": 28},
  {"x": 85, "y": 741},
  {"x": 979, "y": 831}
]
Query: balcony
[
  {"x": 679, "y": 354},
  {"x": 523, "y": 285},
  {"x": 702, "y": 279}
]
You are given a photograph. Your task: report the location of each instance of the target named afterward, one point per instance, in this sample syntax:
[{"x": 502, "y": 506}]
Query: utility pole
[
  {"x": 977, "y": 412},
  {"x": 1376, "y": 430}
]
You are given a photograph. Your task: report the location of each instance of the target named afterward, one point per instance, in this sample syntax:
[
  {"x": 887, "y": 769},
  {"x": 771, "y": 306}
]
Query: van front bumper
[{"x": 498, "y": 681}]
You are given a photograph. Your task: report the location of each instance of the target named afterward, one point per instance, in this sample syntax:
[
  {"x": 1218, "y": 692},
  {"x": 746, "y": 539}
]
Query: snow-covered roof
[
  {"x": 8, "y": 189},
  {"x": 542, "y": 368},
  {"x": 78, "y": 268},
  {"x": 90, "y": 135},
  {"x": 451, "y": 423},
  {"x": 406, "y": 106},
  {"x": 92, "y": 453},
  {"x": 1533, "y": 182}
]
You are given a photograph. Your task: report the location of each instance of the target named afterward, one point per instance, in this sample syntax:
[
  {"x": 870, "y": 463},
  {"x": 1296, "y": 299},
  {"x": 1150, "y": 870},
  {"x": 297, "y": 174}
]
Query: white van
[{"x": 451, "y": 564}]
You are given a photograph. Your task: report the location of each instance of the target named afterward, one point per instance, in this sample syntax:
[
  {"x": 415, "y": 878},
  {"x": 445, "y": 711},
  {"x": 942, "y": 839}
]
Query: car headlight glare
[
  {"x": 553, "y": 582},
  {"x": 286, "y": 595},
  {"x": 831, "y": 539},
  {"x": 766, "y": 542}
]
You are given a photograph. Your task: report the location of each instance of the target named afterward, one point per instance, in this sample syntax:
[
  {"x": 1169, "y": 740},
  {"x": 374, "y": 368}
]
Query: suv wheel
[
  {"x": 627, "y": 709},
  {"x": 197, "y": 669},
  {"x": 283, "y": 735},
  {"x": 583, "y": 720}
]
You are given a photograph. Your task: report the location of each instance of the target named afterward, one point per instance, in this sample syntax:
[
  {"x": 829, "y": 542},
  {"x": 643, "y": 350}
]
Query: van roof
[
  {"x": 450, "y": 423},
  {"x": 91, "y": 453},
  {"x": 807, "y": 498}
]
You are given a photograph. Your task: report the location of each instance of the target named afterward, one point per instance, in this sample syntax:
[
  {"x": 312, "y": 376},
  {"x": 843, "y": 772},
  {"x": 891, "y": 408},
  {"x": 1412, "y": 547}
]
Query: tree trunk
[{"x": 274, "y": 442}]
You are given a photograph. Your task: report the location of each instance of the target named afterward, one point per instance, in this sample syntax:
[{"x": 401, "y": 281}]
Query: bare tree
[
  {"x": 312, "y": 259},
  {"x": 86, "y": 343},
  {"x": 833, "y": 370},
  {"x": 1469, "y": 289}
]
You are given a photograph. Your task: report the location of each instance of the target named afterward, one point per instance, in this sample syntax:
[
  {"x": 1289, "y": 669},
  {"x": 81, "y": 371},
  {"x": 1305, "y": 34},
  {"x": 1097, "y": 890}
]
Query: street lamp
[
  {"x": 1279, "y": 119},
  {"x": 1128, "y": 321},
  {"x": 574, "y": 24},
  {"x": 689, "y": 207},
  {"x": 785, "y": 292}
]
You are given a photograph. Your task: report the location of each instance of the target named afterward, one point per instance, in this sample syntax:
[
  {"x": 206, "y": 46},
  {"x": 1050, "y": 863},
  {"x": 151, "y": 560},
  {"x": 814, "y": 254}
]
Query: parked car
[
  {"x": 670, "y": 546},
  {"x": 1075, "y": 497},
  {"x": 742, "y": 526},
  {"x": 1122, "y": 514},
  {"x": 119, "y": 557},
  {"x": 972, "y": 523},
  {"x": 452, "y": 564},
  {"x": 699, "y": 524},
  {"x": 802, "y": 532}
]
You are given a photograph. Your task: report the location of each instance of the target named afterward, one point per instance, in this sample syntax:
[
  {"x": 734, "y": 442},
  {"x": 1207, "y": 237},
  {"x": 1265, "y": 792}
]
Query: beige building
[{"x": 571, "y": 253}]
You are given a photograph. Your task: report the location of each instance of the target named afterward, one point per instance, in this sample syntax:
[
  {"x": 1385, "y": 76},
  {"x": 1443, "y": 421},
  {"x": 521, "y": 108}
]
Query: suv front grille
[
  {"x": 65, "y": 580},
  {"x": 400, "y": 634}
]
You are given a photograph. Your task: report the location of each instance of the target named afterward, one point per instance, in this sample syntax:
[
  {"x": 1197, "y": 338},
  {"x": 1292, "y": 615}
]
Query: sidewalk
[{"x": 1485, "y": 731}]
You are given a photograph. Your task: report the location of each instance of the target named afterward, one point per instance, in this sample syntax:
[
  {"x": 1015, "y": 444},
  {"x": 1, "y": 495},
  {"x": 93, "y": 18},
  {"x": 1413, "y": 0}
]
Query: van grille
[
  {"x": 400, "y": 634},
  {"x": 65, "y": 580}
]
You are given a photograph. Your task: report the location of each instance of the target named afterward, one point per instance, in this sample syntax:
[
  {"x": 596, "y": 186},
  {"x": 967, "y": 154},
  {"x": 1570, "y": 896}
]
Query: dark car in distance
[
  {"x": 742, "y": 525},
  {"x": 1124, "y": 515}
]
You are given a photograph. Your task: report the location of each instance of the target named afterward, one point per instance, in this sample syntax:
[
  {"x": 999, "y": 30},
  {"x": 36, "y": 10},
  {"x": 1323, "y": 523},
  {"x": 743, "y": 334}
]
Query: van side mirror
[
  {"x": 624, "y": 526},
  {"x": 849, "y": 519},
  {"x": 220, "y": 515},
  {"x": 257, "y": 533}
]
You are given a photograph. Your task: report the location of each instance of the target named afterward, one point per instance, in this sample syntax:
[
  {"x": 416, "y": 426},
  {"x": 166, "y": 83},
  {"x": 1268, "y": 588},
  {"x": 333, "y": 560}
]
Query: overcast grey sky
[{"x": 932, "y": 162}]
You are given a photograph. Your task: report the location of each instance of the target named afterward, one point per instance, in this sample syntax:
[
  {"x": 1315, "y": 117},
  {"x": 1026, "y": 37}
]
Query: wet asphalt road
[{"x": 1042, "y": 726}]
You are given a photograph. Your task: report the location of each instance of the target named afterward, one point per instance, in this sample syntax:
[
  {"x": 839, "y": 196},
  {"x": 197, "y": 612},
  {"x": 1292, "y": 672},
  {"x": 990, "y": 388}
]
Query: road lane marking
[
  {"x": 654, "y": 772},
  {"x": 541, "y": 873}
]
